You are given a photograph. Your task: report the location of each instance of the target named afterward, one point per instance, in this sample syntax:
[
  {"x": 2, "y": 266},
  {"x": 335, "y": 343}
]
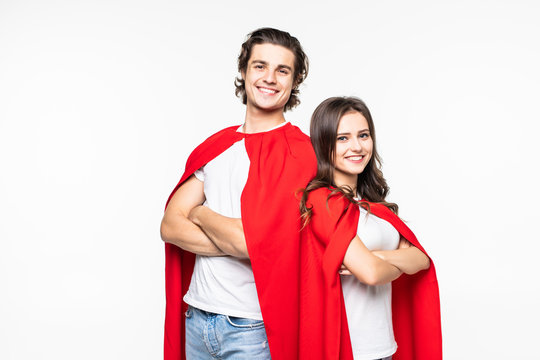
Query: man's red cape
[
  {"x": 281, "y": 162},
  {"x": 323, "y": 325}
]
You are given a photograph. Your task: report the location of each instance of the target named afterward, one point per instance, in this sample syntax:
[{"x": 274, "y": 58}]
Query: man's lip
[{"x": 262, "y": 88}]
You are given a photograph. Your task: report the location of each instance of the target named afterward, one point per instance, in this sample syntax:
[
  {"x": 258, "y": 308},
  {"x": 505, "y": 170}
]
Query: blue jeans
[{"x": 215, "y": 336}]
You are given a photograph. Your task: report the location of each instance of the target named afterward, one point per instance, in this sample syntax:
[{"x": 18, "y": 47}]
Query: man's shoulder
[
  {"x": 300, "y": 146},
  {"x": 295, "y": 133},
  {"x": 218, "y": 136},
  {"x": 223, "y": 132},
  {"x": 214, "y": 145}
]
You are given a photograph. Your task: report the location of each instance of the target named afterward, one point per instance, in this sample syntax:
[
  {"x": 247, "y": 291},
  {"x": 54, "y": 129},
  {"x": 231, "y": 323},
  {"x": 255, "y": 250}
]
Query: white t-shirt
[
  {"x": 225, "y": 284},
  {"x": 369, "y": 308}
]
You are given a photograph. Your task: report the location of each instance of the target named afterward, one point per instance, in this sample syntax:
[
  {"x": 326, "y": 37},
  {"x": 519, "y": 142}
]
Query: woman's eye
[
  {"x": 364, "y": 136},
  {"x": 342, "y": 138}
]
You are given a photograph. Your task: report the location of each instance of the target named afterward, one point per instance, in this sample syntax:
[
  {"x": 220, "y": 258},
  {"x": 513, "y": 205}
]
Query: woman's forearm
[
  {"x": 409, "y": 260},
  {"x": 367, "y": 267}
]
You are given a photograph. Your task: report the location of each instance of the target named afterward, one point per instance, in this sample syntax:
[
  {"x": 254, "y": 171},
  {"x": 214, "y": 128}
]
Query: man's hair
[{"x": 276, "y": 37}]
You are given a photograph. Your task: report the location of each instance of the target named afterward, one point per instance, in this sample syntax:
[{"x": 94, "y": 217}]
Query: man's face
[{"x": 269, "y": 77}]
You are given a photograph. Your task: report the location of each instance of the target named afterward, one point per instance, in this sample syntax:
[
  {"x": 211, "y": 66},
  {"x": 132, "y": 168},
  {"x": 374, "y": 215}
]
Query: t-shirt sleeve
[{"x": 199, "y": 174}]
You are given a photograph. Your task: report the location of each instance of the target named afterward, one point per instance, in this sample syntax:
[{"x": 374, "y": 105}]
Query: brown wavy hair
[
  {"x": 276, "y": 37},
  {"x": 371, "y": 185}
]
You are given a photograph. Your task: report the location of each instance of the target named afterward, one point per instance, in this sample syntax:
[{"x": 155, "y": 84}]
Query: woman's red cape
[
  {"x": 323, "y": 325},
  {"x": 281, "y": 162}
]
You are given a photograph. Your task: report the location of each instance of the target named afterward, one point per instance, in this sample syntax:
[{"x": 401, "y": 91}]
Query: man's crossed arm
[{"x": 195, "y": 228}]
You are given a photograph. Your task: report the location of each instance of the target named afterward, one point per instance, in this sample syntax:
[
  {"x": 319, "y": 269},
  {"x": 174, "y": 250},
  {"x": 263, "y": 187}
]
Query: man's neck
[{"x": 258, "y": 120}]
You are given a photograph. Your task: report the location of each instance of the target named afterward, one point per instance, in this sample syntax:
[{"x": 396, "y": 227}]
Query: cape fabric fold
[
  {"x": 281, "y": 162},
  {"x": 323, "y": 322}
]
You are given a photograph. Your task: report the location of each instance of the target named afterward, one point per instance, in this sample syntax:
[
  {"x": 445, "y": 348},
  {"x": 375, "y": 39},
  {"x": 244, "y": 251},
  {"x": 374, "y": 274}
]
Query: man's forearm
[
  {"x": 177, "y": 229},
  {"x": 225, "y": 232},
  {"x": 183, "y": 233}
]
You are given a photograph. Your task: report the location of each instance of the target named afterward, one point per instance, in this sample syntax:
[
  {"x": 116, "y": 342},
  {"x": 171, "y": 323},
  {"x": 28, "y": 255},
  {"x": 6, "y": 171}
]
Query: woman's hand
[
  {"x": 344, "y": 271},
  {"x": 366, "y": 267},
  {"x": 406, "y": 257},
  {"x": 404, "y": 243}
]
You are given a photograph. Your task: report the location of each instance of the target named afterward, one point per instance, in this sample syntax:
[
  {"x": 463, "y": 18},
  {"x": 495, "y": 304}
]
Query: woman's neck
[{"x": 346, "y": 180}]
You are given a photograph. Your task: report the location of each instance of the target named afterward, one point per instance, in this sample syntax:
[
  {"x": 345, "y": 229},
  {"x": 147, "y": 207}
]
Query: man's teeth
[{"x": 268, "y": 91}]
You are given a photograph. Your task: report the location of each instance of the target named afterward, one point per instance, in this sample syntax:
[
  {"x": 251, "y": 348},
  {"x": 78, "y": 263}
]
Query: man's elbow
[
  {"x": 168, "y": 232},
  {"x": 164, "y": 232},
  {"x": 240, "y": 247},
  {"x": 239, "y": 244}
]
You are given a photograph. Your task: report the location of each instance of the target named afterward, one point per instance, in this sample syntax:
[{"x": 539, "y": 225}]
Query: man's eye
[
  {"x": 284, "y": 72},
  {"x": 258, "y": 66}
]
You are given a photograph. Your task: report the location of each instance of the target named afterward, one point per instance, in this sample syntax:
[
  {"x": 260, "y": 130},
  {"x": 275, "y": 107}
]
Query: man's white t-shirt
[
  {"x": 225, "y": 284},
  {"x": 369, "y": 308}
]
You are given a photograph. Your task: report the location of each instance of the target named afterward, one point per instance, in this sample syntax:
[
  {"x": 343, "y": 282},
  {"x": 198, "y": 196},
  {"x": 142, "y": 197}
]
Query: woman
[{"x": 346, "y": 200}]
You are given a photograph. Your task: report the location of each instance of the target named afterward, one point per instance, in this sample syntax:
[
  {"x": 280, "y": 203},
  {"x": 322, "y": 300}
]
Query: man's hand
[
  {"x": 177, "y": 229},
  {"x": 225, "y": 232}
]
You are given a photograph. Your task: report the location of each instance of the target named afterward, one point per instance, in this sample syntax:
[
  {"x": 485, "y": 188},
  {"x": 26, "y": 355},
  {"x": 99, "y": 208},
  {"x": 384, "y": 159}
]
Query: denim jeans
[{"x": 216, "y": 336}]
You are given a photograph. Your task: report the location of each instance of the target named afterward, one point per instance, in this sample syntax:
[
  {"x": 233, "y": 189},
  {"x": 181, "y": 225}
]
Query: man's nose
[{"x": 270, "y": 77}]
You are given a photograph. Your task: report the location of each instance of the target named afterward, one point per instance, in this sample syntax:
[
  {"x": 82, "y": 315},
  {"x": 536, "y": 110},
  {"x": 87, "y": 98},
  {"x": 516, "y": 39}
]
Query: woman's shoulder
[{"x": 324, "y": 200}]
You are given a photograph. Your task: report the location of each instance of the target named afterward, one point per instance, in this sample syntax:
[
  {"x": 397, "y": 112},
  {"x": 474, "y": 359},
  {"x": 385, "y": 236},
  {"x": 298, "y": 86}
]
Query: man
[{"x": 246, "y": 236}]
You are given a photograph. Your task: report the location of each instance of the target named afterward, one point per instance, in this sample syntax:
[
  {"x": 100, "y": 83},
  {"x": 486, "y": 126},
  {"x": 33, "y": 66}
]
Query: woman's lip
[{"x": 354, "y": 158}]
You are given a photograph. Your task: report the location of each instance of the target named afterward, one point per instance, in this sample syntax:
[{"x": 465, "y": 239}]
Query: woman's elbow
[
  {"x": 371, "y": 278},
  {"x": 423, "y": 264},
  {"x": 424, "y": 261},
  {"x": 427, "y": 263}
]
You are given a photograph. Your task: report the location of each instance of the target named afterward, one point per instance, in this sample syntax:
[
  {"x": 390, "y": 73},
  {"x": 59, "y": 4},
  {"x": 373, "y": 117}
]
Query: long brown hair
[
  {"x": 276, "y": 37},
  {"x": 371, "y": 185}
]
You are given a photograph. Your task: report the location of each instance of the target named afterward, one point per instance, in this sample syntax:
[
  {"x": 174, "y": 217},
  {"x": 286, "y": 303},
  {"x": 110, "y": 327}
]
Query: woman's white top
[
  {"x": 225, "y": 284},
  {"x": 369, "y": 308}
]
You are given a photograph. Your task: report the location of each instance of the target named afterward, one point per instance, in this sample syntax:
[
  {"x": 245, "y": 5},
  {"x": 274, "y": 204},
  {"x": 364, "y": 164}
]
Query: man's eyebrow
[
  {"x": 285, "y": 67},
  {"x": 259, "y": 62},
  {"x": 280, "y": 66}
]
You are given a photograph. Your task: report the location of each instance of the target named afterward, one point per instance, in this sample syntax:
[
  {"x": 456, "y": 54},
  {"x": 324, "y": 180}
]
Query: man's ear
[{"x": 297, "y": 81}]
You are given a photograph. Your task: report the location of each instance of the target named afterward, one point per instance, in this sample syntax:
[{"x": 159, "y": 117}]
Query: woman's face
[{"x": 354, "y": 148}]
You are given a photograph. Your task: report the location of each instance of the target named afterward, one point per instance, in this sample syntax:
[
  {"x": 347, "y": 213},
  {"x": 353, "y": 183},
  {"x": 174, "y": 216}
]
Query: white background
[{"x": 102, "y": 101}]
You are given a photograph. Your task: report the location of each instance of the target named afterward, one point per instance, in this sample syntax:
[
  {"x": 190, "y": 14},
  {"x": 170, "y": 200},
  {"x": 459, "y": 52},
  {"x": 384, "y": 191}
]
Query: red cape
[
  {"x": 324, "y": 331},
  {"x": 281, "y": 162}
]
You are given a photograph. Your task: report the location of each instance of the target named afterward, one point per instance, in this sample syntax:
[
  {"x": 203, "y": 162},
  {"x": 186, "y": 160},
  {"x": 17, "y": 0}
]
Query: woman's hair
[
  {"x": 276, "y": 37},
  {"x": 371, "y": 184}
]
